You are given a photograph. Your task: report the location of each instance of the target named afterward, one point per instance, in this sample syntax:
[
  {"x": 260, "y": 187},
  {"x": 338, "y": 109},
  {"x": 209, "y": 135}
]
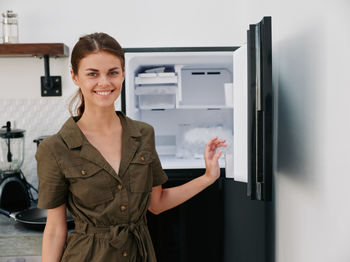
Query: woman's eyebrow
[
  {"x": 96, "y": 70},
  {"x": 114, "y": 68}
]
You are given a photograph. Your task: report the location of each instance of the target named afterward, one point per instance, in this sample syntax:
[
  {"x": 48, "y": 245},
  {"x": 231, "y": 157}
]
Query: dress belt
[{"x": 119, "y": 233}]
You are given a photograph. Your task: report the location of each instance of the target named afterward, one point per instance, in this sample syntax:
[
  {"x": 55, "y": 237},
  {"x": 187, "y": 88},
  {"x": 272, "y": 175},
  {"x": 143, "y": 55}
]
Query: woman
[{"x": 103, "y": 166}]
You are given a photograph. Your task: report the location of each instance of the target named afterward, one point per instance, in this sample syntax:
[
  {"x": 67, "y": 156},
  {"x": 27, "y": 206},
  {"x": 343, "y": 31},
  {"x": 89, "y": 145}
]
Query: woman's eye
[
  {"x": 91, "y": 74},
  {"x": 114, "y": 73}
]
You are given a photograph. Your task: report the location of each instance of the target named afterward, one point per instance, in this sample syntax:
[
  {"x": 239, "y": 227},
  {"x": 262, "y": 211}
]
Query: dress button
[
  {"x": 83, "y": 172},
  {"x": 142, "y": 158},
  {"x": 122, "y": 208},
  {"x": 125, "y": 254},
  {"x": 119, "y": 187}
]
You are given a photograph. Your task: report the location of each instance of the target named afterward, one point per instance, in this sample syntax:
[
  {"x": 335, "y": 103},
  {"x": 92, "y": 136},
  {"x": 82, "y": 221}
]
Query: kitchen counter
[{"x": 18, "y": 240}]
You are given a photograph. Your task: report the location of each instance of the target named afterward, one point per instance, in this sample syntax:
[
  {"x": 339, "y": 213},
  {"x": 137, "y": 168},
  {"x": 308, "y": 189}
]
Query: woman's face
[{"x": 100, "y": 77}]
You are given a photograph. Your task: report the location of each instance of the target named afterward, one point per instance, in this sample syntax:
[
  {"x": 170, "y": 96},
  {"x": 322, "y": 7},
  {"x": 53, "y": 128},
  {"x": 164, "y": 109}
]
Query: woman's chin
[{"x": 101, "y": 104}]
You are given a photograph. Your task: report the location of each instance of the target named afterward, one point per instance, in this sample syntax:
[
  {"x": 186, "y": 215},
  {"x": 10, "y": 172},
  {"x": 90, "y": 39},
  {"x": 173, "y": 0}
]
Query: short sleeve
[
  {"x": 53, "y": 186},
  {"x": 159, "y": 176}
]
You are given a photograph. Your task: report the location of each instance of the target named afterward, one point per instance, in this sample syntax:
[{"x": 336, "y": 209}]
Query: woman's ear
[{"x": 74, "y": 77}]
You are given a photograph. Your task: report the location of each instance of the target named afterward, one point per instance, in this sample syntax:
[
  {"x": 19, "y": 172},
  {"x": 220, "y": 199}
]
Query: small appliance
[{"x": 15, "y": 191}]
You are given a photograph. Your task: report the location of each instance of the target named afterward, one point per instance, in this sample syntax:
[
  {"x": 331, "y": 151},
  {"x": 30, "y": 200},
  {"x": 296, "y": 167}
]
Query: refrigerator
[{"x": 190, "y": 94}]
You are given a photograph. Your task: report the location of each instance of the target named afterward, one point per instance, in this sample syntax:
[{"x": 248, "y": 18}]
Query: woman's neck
[{"x": 101, "y": 120}]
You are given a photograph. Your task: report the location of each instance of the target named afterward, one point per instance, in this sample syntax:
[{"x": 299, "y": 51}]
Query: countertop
[{"x": 18, "y": 240}]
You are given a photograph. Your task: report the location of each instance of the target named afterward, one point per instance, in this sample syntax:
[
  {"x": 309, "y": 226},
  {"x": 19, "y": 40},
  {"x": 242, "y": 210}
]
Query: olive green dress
[{"x": 109, "y": 209}]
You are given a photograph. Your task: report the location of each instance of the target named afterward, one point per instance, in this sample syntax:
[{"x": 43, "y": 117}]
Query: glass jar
[{"x": 9, "y": 27}]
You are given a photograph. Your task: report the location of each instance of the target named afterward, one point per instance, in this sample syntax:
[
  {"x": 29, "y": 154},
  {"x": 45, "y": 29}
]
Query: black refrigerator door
[{"x": 260, "y": 115}]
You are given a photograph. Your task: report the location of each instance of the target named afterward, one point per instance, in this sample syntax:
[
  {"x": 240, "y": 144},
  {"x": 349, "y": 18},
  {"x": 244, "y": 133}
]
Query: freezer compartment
[
  {"x": 187, "y": 98},
  {"x": 172, "y": 80},
  {"x": 206, "y": 88},
  {"x": 181, "y": 141}
]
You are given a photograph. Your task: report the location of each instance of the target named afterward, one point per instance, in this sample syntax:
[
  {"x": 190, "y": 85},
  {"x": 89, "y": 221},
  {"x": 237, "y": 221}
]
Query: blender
[
  {"x": 16, "y": 199},
  {"x": 15, "y": 193}
]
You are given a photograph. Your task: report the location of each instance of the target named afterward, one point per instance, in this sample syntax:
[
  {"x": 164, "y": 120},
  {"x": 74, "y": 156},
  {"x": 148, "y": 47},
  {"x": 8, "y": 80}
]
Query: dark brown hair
[{"x": 87, "y": 45}]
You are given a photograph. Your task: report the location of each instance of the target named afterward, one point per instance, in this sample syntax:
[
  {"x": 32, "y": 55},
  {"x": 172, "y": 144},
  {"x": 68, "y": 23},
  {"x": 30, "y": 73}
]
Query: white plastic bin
[
  {"x": 156, "y": 101},
  {"x": 156, "y": 97}
]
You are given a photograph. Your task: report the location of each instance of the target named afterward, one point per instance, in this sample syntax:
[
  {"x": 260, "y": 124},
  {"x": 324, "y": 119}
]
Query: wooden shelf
[{"x": 34, "y": 49}]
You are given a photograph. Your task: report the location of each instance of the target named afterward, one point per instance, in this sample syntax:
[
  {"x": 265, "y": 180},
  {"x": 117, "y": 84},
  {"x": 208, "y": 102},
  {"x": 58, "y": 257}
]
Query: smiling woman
[
  {"x": 100, "y": 77},
  {"x": 104, "y": 167},
  {"x": 94, "y": 48}
]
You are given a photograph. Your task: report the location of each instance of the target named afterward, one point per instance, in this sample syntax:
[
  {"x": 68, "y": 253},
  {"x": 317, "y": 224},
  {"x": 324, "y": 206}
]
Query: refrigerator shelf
[
  {"x": 169, "y": 162},
  {"x": 218, "y": 107},
  {"x": 209, "y": 107},
  {"x": 159, "y": 79}
]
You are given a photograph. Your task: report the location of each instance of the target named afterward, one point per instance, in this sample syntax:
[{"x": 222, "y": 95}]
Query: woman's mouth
[{"x": 104, "y": 93}]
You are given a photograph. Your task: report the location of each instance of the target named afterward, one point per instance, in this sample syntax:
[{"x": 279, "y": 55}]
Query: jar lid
[
  {"x": 7, "y": 132},
  {"x": 9, "y": 14}
]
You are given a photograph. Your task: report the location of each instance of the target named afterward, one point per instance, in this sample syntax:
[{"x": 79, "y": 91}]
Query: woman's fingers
[
  {"x": 210, "y": 143},
  {"x": 213, "y": 144},
  {"x": 217, "y": 155},
  {"x": 214, "y": 140}
]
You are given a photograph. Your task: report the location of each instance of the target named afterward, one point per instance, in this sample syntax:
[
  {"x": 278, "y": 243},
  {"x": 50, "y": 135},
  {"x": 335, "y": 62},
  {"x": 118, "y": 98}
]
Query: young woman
[{"x": 104, "y": 167}]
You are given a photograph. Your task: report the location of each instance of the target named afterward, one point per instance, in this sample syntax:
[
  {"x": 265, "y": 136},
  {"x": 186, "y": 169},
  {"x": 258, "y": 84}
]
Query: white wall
[{"x": 310, "y": 43}]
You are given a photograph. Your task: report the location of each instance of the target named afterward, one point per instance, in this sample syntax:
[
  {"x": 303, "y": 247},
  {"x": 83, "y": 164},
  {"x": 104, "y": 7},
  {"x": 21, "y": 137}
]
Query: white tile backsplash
[
  {"x": 43, "y": 116},
  {"x": 38, "y": 117}
]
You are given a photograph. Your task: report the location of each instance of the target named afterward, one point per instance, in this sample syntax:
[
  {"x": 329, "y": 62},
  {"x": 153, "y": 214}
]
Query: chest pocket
[
  {"x": 140, "y": 172},
  {"x": 89, "y": 184}
]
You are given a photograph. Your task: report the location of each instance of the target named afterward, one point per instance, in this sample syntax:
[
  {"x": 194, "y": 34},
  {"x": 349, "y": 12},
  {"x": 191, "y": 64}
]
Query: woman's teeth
[{"x": 104, "y": 93}]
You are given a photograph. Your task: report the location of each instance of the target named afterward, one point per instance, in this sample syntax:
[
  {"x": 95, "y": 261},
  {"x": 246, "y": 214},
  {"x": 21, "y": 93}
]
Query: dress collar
[{"x": 74, "y": 137}]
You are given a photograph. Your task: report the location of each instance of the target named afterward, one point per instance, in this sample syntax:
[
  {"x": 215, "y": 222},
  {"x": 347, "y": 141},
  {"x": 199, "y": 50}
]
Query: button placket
[{"x": 124, "y": 201}]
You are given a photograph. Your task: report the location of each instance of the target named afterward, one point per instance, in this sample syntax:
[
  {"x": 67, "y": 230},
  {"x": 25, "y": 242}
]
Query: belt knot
[{"x": 119, "y": 234}]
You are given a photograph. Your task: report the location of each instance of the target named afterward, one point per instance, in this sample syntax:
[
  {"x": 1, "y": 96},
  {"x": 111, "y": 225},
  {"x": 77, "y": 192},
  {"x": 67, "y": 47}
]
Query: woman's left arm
[{"x": 164, "y": 199}]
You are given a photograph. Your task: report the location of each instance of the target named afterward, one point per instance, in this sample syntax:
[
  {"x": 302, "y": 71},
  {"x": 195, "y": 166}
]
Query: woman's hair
[{"x": 87, "y": 45}]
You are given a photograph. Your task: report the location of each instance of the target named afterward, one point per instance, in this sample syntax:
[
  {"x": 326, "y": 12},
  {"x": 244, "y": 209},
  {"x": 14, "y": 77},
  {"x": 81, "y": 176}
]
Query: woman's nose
[{"x": 103, "y": 81}]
